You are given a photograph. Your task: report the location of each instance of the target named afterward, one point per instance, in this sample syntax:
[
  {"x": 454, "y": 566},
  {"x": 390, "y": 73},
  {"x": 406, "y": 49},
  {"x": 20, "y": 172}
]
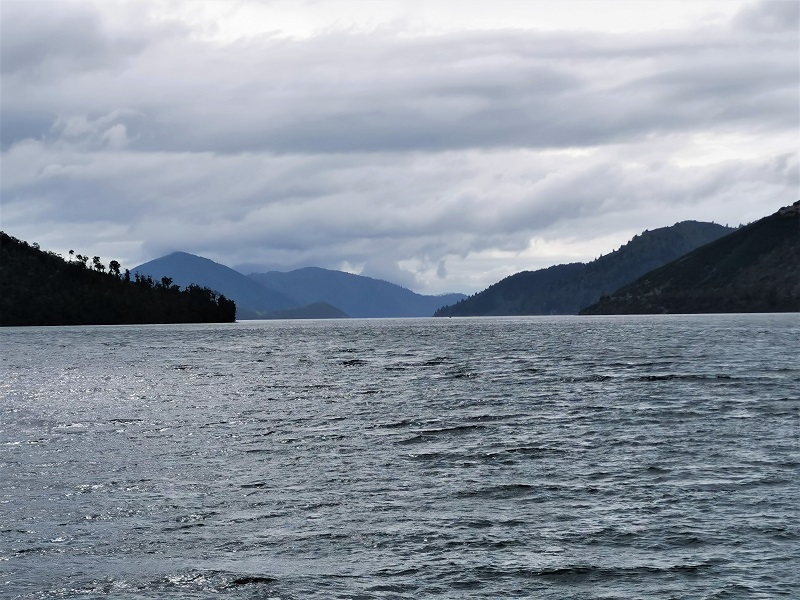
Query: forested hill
[
  {"x": 755, "y": 269},
  {"x": 566, "y": 289},
  {"x": 41, "y": 288}
]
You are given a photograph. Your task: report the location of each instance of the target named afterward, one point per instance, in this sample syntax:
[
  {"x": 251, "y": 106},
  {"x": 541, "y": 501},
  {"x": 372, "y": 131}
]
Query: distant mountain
[
  {"x": 304, "y": 293},
  {"x": 252, "y": 300},
  {"x": 566, "y": 289},
  {"x": 755, "y": 269},
  {"x": 356, "y": 295},
  {"x": 317, "y": 310},
  {"x": 41, "y": 288}
]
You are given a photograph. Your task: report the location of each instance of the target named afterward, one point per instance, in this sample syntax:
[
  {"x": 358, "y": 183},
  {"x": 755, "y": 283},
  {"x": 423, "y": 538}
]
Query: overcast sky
[{"x": 441, "y": 145}]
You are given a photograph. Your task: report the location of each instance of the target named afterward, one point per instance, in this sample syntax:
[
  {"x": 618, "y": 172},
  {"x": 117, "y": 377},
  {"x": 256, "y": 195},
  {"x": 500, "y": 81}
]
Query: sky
[{"x": 441, "y": 145}]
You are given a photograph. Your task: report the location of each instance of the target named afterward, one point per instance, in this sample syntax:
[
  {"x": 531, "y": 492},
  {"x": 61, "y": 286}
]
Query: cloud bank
[{"x": 442, "y": 161}]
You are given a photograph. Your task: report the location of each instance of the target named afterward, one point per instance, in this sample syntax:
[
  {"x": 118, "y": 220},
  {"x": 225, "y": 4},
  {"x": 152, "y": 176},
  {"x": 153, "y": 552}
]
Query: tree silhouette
[{"x": 41, "y": 288}]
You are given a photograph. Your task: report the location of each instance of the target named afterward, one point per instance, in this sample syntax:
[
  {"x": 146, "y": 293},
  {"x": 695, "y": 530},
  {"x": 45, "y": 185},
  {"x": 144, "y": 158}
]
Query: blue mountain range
[{"x": 310, "y": 292}]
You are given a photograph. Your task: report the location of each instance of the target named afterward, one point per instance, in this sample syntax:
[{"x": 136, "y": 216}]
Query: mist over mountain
[
  {"x": 754, "y": 269},
  {"x": 356, "y": 295},
  {"x": 566, "y": 289}
]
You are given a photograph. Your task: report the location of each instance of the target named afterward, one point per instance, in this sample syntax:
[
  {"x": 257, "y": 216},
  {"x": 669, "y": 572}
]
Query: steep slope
[
  {"x": 521, "y": 293},
  {"x": 356, "y": 295},
  {"x": 252, "y": 300},
  {"x": 566, "y": 289},
  {"x": 41, "y": 288},
  {"x": 755, "y": 269}
]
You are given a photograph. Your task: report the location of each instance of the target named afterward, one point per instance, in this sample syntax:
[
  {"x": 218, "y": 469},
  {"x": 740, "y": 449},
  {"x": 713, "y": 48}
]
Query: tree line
[{"x": 42, "y": 288}]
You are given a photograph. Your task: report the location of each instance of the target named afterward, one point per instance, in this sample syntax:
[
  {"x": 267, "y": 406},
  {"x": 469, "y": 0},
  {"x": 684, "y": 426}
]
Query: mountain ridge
[
  {"x": 252, "y": 300},
  {"x": 309, "y": 292},
  {"x": 566, "y": 289},
  {"x": 754, "y": 269},
  {"x": 357, "y": 295}
]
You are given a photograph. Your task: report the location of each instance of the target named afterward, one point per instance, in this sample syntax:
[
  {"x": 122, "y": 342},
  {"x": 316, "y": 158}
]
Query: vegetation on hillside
[
  {"x": 41, "y": 288},
  {"x": 755, "y": 269},
  {"x": 566, "y": 289}
]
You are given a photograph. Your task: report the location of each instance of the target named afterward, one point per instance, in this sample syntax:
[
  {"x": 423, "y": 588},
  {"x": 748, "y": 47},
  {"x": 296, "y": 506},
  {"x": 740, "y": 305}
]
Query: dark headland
[
  {"x": 41, "y": 288},
  {"x": 566, "y": 289},
  {"x": 754, "y": 269}
]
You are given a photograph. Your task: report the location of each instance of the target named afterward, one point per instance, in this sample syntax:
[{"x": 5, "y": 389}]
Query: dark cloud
[
  {"x": 36, "y": 35},
  {"x": 366, "y": 93},
  {"x": 59, "y": 59},
  {"x": 770, "y": 16},
  {"x": 45, "y": 38}
]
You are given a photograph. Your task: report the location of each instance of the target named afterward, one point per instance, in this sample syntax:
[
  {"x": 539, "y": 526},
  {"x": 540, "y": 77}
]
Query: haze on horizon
[{"x": 438, "y": 145}]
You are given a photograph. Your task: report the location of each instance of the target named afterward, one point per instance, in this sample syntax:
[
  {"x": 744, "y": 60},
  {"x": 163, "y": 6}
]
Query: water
[{"x": 569, "y": 457}]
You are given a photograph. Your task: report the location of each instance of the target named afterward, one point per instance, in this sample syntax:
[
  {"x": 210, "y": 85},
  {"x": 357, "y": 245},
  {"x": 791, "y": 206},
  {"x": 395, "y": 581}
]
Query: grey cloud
[
  {"x": 365, "y": 93},
  {"x": 53, "y": 39},
  {"x": 261, "y": 198},
  {"x": 34, "y": 33},
  {"x": 766, "y": 83},
  {"x": 47, "y": 46},
  {"x": 387, "y": 269},
  {"x": 21, "y": 124},
  {"x": 770, "y": 16}
]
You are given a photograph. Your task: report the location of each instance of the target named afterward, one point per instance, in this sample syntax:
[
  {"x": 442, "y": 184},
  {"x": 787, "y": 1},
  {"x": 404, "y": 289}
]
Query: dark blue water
[{"x": 620, "y": 457}]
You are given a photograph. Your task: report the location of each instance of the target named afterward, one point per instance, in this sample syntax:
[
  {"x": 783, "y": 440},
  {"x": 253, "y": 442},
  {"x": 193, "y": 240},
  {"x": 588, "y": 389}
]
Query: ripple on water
[{"x": 544, "y": 457}]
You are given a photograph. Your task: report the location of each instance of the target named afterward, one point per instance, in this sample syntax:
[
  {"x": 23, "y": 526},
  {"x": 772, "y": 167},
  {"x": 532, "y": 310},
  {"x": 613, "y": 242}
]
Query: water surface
[{"x": 564, "y": 457}]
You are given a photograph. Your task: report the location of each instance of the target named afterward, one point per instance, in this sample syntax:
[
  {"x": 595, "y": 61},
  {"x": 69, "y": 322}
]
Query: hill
[
  {"x": 253, "y": 300},
  {"x": 317, "y": 310},
  {"x": 566, "y": 289},
  {"x": 356, "y": 295},
  {"x": 41, "y": 288},
  {"x": 755, "y": 269}
]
